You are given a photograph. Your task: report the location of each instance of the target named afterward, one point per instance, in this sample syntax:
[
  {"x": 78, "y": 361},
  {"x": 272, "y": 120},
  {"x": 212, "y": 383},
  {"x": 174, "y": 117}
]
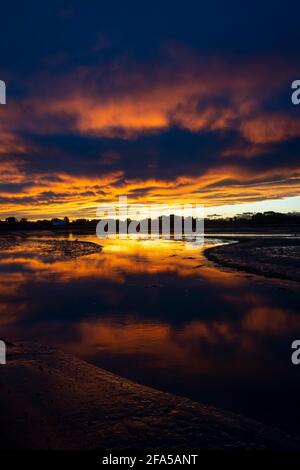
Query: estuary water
[{"x": 159, "y": 313}]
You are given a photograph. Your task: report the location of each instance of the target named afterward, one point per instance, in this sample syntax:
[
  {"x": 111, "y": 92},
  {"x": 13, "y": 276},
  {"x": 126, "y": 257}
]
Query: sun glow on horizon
[{"x": 86, "y": 211}]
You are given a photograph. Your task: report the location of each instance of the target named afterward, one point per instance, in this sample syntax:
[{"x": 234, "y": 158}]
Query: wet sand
[
  {"x": 51, "y": 249},
  {"x": 271, "y": 257},
  {"x": 52, "y": 400}
]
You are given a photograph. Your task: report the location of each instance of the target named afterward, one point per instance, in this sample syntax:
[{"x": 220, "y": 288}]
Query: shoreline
[
  {"x": 52, "y": 400},
  {"x": 276, "y": 257}
]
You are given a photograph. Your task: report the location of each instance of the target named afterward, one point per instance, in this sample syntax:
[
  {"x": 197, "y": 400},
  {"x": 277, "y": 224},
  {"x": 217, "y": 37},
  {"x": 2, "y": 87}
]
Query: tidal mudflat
[
  {"x": 48, "y": 249},
  {"x": 270, "y": 257},
  {"x": 53, "y": 400}
]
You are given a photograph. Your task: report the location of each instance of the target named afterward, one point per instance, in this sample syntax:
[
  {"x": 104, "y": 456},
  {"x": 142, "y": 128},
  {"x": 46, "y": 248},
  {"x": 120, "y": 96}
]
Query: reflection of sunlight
[
  {"x": 118, "y": 259},
  {"x": 192, "y": 343}
]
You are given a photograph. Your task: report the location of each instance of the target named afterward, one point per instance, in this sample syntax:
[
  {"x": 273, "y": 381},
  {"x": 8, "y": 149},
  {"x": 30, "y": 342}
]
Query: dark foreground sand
[
  {"x": 50, "y": 399},
  {"x": 271, "y": 257}
]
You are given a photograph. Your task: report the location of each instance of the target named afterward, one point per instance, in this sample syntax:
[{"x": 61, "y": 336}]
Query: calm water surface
[{"x": 158, "y": 312}]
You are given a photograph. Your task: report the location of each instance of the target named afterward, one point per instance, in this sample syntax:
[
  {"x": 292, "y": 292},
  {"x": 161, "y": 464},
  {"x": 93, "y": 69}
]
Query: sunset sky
[{"x": 165, "y": 102}]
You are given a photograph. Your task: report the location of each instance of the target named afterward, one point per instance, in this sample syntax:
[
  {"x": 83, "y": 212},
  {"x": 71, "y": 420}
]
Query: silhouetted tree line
[
  {"x": 259, "y": 219},
  {"x": 248, "y": 220},
  {"x": 12, "y": 223}
]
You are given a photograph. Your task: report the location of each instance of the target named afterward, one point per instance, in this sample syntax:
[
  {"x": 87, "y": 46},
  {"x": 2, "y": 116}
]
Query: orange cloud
[
  {"x": 271, "y": 128},
  {"x": 186, "y": 92},
  {"x": 195, "y": 94}
]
